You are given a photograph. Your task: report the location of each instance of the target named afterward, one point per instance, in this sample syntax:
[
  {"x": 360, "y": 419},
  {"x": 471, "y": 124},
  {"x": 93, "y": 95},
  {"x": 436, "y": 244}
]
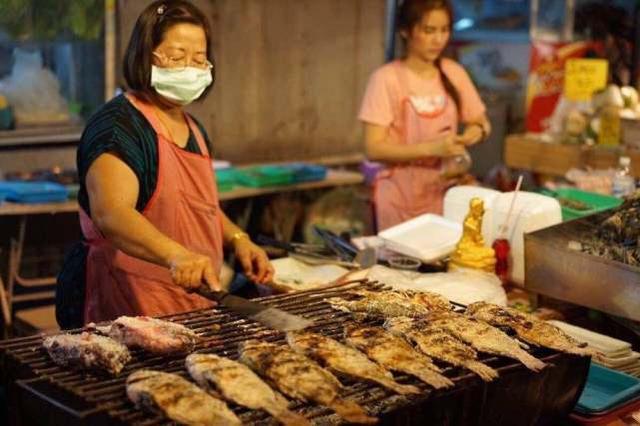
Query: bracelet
[
  {"x": 482, "y": 129},
  {"x": 237, "y": 236}
]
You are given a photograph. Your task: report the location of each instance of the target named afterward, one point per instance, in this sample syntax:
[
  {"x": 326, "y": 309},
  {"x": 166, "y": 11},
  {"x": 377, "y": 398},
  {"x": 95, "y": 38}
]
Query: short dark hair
[{"x": 148, "y": 33}]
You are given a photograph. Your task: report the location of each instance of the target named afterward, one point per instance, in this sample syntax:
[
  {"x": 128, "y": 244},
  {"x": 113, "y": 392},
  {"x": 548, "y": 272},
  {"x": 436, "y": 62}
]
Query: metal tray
[{"x": 552, "y": 269}]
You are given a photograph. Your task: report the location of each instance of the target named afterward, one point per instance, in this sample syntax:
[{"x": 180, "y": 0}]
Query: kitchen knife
[{"x": 271, "y": 317}]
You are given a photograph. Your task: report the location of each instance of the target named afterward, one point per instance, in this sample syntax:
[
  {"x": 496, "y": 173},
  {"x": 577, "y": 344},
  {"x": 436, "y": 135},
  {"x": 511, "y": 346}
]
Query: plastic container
[
  {"x": 456, "y": 206},
  {"x": 404, "y": 263},
  {"x": 624, "y": 183},
  {"x": 455, "y": 166},
  {"x": 605, "y": 389},
  {"x": 427, "y": 237},
  {"x": 592, "y": 202},
  {"x": 34, "y": 192},
  {"x": 261, "y": 176},
  {"x": 226, "y": 179},
  {"x": 307, "y": 172},
  {"x": 531, "y": 212},
  {"x": 607, "y": 417}
]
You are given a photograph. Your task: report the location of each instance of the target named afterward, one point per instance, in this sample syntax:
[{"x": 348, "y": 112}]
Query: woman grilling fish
[
  {"x": 151, "y": 221},
  {"x": 411, "y": 110}
]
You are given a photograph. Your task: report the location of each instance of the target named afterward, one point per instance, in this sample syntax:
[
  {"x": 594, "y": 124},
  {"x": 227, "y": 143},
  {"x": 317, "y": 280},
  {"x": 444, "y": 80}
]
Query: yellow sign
[{"x": 582, "y": 77}]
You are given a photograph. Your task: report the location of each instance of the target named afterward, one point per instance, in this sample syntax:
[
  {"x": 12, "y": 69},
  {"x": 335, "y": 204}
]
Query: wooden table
[
  {"x": 24, "y": 211},
  {"x": 530, "y": 152}
]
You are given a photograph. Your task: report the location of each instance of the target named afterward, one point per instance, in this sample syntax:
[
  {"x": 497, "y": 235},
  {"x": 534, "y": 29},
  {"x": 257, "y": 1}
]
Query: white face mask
[{"x": 183, "y": 86}]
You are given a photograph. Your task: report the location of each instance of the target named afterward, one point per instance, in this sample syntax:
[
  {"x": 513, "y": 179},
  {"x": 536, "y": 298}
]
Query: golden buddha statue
[{"x": 470, "y": 251}]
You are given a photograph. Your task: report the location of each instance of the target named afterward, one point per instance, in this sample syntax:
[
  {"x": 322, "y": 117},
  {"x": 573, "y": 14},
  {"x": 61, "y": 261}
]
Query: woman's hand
[
  {"x": 444, "y": 146},
  {"x": 254, "y": 261},
  {"x": 190, "y": 270}
]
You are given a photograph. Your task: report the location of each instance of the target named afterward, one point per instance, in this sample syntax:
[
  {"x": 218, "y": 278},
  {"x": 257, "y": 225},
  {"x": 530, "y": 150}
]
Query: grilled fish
[
  {"x": 87, "y": 351},
  {"x": 387, "y": 304},
  {"x": 298, "y": 377},
  {"x": 484, "y": 337},
  {"x": 178, "y": 399},
  {"x": 529, "y": 328},
  {"x": 237, "y": 383},
  {"x": 154, "y": 335},
  {"x": 395, "y": 353},
  {"x": 342, "y": 358},
  {"x": 439, "y": 344}
]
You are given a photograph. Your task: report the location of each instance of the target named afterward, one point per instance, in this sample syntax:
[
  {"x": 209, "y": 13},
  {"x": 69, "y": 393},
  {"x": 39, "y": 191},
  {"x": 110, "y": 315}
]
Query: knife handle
[{"x": 206, "y": 292}]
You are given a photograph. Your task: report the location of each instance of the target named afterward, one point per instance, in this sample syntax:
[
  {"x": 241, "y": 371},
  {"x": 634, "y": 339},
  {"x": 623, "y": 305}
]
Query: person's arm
[
  {"x": 253, "y": 259},
  {"x": 379, "y": 148},
  {"x": 475, "y": 131},
  {"x": 113, "y": 192}
]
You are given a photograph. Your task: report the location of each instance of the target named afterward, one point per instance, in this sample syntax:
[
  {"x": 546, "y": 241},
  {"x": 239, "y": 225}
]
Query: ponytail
[{"x": 448, "y": 85}]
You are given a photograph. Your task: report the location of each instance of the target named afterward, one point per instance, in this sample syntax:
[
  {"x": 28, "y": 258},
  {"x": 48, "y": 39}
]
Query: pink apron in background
[
  {"x": 404, "y": 191},
  {"x": 185, "y": 208}
]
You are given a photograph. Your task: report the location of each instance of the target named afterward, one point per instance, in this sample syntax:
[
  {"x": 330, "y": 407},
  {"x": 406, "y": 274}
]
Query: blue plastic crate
[
  {"x": 303, "y": 172},
  {"x": 605, "y": 389},
  {"x": 33, "y": 192}
]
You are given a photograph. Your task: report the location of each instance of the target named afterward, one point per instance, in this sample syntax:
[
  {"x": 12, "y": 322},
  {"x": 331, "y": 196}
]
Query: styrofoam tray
[
  {"x": 605, "y": 344},
  {"x": 632, "y": 359},
  {"x": 427, "y": 237}
]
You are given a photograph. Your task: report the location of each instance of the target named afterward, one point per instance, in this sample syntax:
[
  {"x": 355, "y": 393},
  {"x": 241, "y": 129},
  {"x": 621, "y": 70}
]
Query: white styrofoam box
[
  {"x": 605, "y": 344},
  {"x": 531, "y": 212},
  {"x": 456, "y": 206},
  {"x": 427, "y": 237}
]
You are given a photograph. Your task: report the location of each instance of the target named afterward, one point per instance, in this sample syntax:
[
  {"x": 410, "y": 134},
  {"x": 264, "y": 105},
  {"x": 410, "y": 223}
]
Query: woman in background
[{"x": 411, "y": 111}]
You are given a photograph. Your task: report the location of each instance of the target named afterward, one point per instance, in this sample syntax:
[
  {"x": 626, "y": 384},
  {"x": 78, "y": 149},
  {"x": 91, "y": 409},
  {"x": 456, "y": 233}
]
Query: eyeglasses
[{"x": 179, "y": 64}]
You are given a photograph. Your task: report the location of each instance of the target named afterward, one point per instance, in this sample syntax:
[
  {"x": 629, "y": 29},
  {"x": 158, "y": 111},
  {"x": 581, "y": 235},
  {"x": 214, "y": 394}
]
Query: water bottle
[{"x": 623, "y": 182}]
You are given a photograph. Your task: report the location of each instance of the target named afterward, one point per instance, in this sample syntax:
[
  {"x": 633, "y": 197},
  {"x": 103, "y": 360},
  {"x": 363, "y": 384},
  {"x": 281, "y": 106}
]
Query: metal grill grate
[{"x": 84, "y": 395}]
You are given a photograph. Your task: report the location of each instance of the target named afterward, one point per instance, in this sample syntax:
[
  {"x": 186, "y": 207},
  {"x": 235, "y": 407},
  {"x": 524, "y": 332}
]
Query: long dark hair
[
  {"x": 150, "y": 28},
  {"x": 410, "y": 14}
]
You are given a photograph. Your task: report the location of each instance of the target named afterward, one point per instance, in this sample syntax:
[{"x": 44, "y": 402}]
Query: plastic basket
[
  {"x": 591, "y": 202},
  {"x": 33, "y": 192},
  {"x": 261, "y": 176},
  {"x": 226, "y": 179},
  {"x": 307, "y": 172}
]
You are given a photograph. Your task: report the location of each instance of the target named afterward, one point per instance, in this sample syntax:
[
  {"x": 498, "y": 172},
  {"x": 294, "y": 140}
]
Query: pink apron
[
  {"x": 185, "y": 208},
  {"x": 404, "y": 191}
]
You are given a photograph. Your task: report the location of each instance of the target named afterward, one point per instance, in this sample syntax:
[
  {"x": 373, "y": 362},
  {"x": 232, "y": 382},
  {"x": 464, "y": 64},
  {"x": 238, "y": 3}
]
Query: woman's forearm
[{"x": 132, "y": 233}]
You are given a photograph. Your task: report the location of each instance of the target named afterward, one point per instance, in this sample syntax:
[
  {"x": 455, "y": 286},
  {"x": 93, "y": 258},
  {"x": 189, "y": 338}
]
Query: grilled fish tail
[
  {"x": 438, "y": 381},
  {"x": 401, "y": 389},
  {"x": 531, "y": 362},
  {"x": 286, "y": 417},
  {"x": 351, "y": 412},
  {"x": 485, "y": 372}
]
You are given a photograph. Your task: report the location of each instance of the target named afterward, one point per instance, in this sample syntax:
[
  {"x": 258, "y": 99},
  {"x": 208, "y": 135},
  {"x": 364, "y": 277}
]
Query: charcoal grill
[{"x": 41, "y": 392}]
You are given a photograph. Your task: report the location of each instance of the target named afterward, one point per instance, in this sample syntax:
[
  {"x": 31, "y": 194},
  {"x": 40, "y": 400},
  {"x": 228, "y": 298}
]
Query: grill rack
[{"x": 86, "y": 396}]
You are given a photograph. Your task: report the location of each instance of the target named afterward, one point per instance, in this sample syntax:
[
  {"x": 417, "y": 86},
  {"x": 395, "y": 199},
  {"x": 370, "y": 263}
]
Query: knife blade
[{"x": 271, "y": 317}]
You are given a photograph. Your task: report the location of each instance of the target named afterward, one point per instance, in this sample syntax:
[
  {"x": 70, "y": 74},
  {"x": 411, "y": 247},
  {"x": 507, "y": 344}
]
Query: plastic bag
[
  {"x": 464, "y": 286},
  {"x": 33, "y": 91}
]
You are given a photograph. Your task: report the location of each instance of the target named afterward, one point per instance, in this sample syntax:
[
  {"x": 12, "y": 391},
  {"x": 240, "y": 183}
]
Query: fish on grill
[
  {"x": 298, "y": 377},
  {"x": 528, "y": 328},
  {"x": 439, "y": 344},
  {"x": 153, "y": 335},
  {"x": 484, "y": 337},
  {"x": 87, "y": 351},
  {"x": 388, "y": 303},
  {"x": 395, "y": 353},
  {"x": 344, "y": 359},
  {"x": 238, "y": 383},
  {"x": 178, "y": 399}
]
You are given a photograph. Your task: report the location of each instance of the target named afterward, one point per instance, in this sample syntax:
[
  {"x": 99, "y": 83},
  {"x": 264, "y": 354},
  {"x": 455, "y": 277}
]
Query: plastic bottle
[
  {"x": 455, "y": 166},
  {"x": 624, "y": 183}
]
